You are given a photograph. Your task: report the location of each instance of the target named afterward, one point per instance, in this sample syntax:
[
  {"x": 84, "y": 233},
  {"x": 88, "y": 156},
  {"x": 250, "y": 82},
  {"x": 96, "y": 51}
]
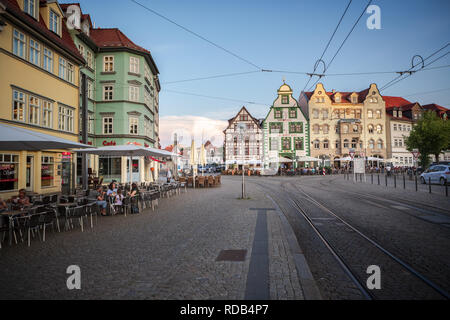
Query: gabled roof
[
  {"x": 230, "y": 121},
  {"x": 65, "y": 42},
  {"x": 396, "y": 101},
  {"x": 111, "y": 38},
  {"x": 345, "y": 96},
  {"x": 434, "y": 107}
]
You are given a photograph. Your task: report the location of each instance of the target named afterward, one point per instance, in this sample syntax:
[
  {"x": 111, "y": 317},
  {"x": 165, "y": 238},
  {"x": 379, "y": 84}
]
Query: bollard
[
  {"x": 395, "y": 181},
  {"x": 371, "y": 177},
  {"x": 429, "y": 184},
  {"x": 385, "y": 178},
  {"x": 378, "y": 179},
  {"x": 416, "y": 181},
  {"x": 404, "y": 181}
]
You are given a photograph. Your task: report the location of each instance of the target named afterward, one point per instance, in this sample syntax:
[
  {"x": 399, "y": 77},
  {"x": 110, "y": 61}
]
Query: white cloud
[{"x": 191, "y": 127}]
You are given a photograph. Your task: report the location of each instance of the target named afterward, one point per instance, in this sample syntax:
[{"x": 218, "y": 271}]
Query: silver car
[{"x": 439, "y": 173}]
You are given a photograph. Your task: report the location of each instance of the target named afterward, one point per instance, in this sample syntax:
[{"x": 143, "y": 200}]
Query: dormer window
[
  {"x": 338, "y": 99},
  {"x": 284, "y": 99},
  {"x": 54, "y": 22},
  {"x": 29, "y": 6},
  {"x": 395, "y": 113},
  {"x": 354, "y": 99},
  {"x": 399, "y": 113}
]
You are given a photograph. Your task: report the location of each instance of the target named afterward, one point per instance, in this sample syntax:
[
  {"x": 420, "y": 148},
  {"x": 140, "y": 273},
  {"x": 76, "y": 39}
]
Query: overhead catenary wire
[
  {"x": 197, "y": 35},
  {"x": 425, "y": 92},
  {"x": 329, "y": 41},
  {"x": 216, "y": 98},
  {"x": 343, "y": 42},
  {"x": 410, "y": 70},
  {"x": 212, "y": 77}
]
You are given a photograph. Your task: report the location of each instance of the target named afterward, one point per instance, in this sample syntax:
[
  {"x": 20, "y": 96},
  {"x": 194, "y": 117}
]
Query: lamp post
[{"x": 241, "y": 131}]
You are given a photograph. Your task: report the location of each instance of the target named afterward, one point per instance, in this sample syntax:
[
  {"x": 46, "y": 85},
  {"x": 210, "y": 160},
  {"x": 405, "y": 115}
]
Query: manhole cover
[{"x": 232, "y": 255}]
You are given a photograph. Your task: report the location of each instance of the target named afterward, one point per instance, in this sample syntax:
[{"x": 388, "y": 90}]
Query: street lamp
[{"x": 241, "y": 132}]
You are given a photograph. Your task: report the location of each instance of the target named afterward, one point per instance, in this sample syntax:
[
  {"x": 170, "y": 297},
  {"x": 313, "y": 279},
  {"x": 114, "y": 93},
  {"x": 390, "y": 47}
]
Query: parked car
[{"x": 436, "y": 174}]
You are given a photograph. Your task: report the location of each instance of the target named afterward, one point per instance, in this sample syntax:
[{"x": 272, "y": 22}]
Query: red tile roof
[
  {"x": 113, "y": 37},
  {"x": 395, "y": 101},
  {"x": 64, "y": 42},
  {"x": 434, "y": 106}
]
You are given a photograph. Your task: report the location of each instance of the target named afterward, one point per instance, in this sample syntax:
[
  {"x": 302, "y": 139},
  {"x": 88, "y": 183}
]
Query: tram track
[{"x": 355, "y": 251}]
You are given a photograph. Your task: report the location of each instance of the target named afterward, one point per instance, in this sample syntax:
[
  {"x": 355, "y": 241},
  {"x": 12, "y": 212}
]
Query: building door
[
  {"x": 135, "y": 176},
  {"x": 30, "y": 173}
]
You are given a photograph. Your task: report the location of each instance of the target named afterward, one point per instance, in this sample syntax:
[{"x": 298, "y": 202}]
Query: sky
[{"x": 290, "y": 36}]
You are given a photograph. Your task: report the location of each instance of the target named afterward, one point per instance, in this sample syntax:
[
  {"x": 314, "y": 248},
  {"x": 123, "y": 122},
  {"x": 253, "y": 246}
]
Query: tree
[{"x": 431, "y": 135}]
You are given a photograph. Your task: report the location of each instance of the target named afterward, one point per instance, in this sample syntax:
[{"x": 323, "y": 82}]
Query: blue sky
[{"x": 288, "y": 35}]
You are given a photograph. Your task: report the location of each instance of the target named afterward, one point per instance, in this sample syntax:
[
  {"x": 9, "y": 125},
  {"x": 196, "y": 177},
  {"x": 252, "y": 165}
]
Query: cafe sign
[{"x": 109, "y": 143}]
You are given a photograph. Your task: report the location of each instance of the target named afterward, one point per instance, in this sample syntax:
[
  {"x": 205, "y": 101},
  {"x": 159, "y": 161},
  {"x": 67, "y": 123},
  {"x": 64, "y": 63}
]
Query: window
[
  {"x": 54, "y": 22},
  {"x": 243, "y": 117},
  {"x": 337, "y": 144},
  {"x": 148, "y": 127},
  {"x": 346, "y": 143},
  {"x": 373, "y": 100},
  {"x": 316, "y": 144},
  {"x": 395, "y": 113},
  {"x": 108, "y": 64},
  {"x": 247, "y": 146},
  {"x": 47, "y": 171},
  {"x": 274, "y": 144},
  {"x": 29, "y": 7},
  {"x": 342, "y": 114},
  {"x": 278, "y": 114},
  {"x": 90, "y": 60},
  {"x": 315, "y": 114},
  {"x": 325, "y": 114},
  {"x": 395, "y": 142},
  {"x": 19, "y": 44},
  {"x": 379, "y": 129},
  {"x": 107, "y": 125},
  {"x": 400, "y": 142},
  {"x": 354, "y": 99},
  {"x": 133, "y": 122},
  {"x": 354, "y": 143},
  {"x": 48, "y": 60},
  {"x": 91, "y": 125},
  {"x": 355, "y": 128},
  {"x": 47, "y": 114},
  {"x": 326, "y": 144},
  {"x": 35, "y": 52},
  {"x": 404, "y": 127},
  {"x": 316, "y": 129},
  {"x": 82, "y": 50},
  {"x": 370, "y": 128},
  {"x": 292, "y": 113},
  {"x": 134, "y": 65},
  {"x": 276, "y": 127},
  {"x": 295, "y": 127},
  {"x": 395, "y": 127},
  {"x": 298, "y": 143},
  {"x": 9, "y": 172},
  {"x": 358, "y": 114},
  {"x": 18, "y": 106},
  {"x": 65, "y": 118},
  {"x": 70, "y": 72},
  {"x": 401, "y": 159},
  {"x": 90, "y": 89},
  {"x": 371, "y": 144},
  {"x": 134, "y": 93},
  {"x": 285, "y": 99},
  {"x": 325, "y": 128},
  {"x": 147, "y": 73},
  {"x": 62, "y": 68},
  {"x": 370, "y": 114},
  {"x": 400, "y": 127},
  {"x": 108, "y": 92},
  {"x": 380, "y": 144},
  {"x": 378, "y": 113},
  {"x": 338, "y": 99},
  {"x": 400, "y": 113},
  {"x": 286, "y": 143},
  {"x": 33, "y": 110}
]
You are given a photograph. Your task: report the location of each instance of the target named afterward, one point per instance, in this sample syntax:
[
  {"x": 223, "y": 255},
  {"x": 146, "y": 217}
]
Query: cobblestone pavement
[
  {"x": 416, "y": 229},
  {"x": 166, "y": 254}
]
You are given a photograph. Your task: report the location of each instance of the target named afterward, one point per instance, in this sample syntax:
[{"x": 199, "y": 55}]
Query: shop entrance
[{"x": 135, "y": 174}]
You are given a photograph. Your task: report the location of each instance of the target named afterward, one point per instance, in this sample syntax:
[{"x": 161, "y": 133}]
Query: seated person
[
  {"x": 134, "y": 190},
  {"x": 118, "y": 201},
  {"x": 22, "y": 200},
  {"x": 112, "y": 189},
  {"x": 3, "y": 206},
  {"x": 101, "y": 202}
]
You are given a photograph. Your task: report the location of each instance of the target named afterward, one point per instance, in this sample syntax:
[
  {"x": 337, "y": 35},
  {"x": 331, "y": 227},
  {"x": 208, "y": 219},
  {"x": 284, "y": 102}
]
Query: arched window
[
  {"x": 326, "y": 144},
  {"x": 337, "y": 144},
  {"x": 354, "y": 142},
  {"x": 369, "y": 114},
  {"x": 316, "y": 144},
  {"x": 325, "y": 128},
  {"x": 315, "y": 114},
  {"x": 379, "y": 114},
  {"x": 380, "y": 144},
  {"x": 370, "y": 128},
  {"x": 345, "y": 128},
  {"x": 379, "y": 129},
  {"x": 345, "y": 143},
  {"x": 316, "y": 129},
  {"x": 371, "y": 144},
  {"x": 325, "y": 114}
]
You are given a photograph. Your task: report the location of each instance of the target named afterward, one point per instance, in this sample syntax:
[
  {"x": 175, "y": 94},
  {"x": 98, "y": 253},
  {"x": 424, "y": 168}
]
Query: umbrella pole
[{"x": 130, "y": 171}]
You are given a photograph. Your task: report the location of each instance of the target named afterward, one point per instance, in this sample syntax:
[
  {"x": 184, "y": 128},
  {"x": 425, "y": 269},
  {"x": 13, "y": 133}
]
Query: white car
[{"x": 439, "y": 173}]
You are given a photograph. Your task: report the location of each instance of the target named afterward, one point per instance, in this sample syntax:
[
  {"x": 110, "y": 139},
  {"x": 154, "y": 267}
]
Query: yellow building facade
[{"x": 39, "y": 91}]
